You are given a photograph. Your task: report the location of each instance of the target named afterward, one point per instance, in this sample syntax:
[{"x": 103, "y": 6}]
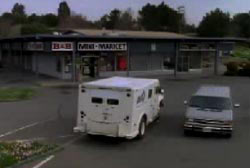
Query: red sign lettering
[{"x": 62, "y": 46}]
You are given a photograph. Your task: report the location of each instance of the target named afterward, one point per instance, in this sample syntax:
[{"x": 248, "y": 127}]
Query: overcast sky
[{"x": 93, "y": 9}]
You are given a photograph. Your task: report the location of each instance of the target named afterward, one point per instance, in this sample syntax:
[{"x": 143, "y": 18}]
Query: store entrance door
[{"x": 89, "y": 66}]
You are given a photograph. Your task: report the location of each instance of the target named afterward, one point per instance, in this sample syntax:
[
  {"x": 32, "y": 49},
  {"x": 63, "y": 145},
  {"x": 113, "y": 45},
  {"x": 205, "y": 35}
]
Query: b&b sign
[
  {"x": 107, "y": 46},
  {"x": 62, "y": 46}
]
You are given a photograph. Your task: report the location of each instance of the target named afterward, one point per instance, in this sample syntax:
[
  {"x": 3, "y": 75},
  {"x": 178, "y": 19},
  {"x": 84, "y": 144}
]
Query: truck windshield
[{"x": 217, "y": 103}]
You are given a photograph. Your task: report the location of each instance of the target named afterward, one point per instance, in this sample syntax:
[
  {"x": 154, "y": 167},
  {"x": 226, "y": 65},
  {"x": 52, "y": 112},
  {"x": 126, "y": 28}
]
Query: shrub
[
  {"x": 246, "y": 69},
  {"x": 232, "y": 69}
]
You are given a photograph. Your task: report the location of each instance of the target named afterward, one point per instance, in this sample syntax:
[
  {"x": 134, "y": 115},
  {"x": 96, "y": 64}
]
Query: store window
[
  {"x": 168, "y": 63},
  {"x": 107, "y": 63},
  {"x": 113, "y": 61}
]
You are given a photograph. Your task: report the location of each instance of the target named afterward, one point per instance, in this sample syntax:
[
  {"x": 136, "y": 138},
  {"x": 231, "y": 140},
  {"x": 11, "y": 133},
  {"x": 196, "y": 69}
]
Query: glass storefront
[
  {"x": 93, "y": 63},
  {"x": 113, "y": 61}
]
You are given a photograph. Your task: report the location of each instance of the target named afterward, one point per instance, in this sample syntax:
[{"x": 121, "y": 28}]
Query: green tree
[
  {"x": 159, "y": 18},
  {"x": 5, "y": 27},
  {"x": 18, "y": 10},
  {"x": 114, "y": 18},
  {"x": 34, "y": 28},
  {"x": 50, "y": 20},
  {"x": 111, "y": 20},
  {"x": 241, "y": 25},
  {"x": 33, "y": 18},
  {"x": 64, "y": 10},
  {"x": 103, "y": 22},
  {"x": 215, "y": 24},
  {"x": 19, "y": 14},
  {"x": 126, "y": 21},
  {"x": 77, "y": 21},
  {"x": 7, "y": 16},
  {"x": 190, "y": 28}
]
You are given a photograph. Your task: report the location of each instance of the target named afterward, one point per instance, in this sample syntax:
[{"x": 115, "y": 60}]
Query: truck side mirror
[
  {"x": 185, "y": 102},
  {"x": 236, "y": 105}
]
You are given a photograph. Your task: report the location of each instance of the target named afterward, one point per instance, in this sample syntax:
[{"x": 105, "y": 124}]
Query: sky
[{"x": 93, "y": 9}]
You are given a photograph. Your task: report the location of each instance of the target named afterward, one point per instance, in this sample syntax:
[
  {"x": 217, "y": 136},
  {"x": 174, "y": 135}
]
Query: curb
[
  {"x": 36, "y": 157},
  {"x": 72, "y": 85}
]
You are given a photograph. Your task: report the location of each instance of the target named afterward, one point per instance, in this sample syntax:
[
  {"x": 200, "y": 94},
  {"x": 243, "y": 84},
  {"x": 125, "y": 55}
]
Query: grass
[
  {"x": 242, "y": 52},
  {"x": 16, "y": 94},
  {"x": 12, "y": 153}
]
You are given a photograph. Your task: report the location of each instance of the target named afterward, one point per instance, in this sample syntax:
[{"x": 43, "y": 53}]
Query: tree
[
  {"x": 18, "y": 10},
  {"x": 7, "y": 16},
  {"x": 215, "y": 24},
  {"x": 19, "y": 14},
  {"x": 103, "y": 22},
  {"x": 35, "y": 28},
  {"x": 159, "y": 18},
  {"x": 64, "y": 10},
  {"x": 77, "y": 21},
  {"x": 126, "y": 21},
  {"x": 241, "y": 25},
  {"x": 33, "y": 18},
  {"x": 189, "y": 28},
  {"x": 50, "y": 20},
  {"x": 5, "y": 27},
  {"x": 116, "y": 19}
]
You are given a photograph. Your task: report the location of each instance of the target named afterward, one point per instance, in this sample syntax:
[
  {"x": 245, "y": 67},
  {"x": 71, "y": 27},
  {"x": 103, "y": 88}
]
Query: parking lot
[{"x": 51, "y": 115}]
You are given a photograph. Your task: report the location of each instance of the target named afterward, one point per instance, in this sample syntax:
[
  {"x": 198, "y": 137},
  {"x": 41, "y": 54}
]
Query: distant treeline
[{"x": 151, "y": 18}]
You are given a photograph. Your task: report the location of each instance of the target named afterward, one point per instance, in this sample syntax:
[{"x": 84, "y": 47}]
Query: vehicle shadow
[{"x": 98, "y": 140}]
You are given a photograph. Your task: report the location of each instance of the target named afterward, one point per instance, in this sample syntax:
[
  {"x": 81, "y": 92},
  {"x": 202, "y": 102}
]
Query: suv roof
[{"x": 213, "y": 91}]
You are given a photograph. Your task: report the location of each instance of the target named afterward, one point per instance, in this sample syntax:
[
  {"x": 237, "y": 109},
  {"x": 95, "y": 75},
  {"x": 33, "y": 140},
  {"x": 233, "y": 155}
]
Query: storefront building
[{"x": 78, "y": 55}]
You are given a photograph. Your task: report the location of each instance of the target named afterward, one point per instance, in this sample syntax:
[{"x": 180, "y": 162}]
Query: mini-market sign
[{"x": 107, "y": 46}]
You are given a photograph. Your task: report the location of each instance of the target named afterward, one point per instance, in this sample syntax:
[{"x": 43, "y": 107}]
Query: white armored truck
[{"x": 118, "y": 106}]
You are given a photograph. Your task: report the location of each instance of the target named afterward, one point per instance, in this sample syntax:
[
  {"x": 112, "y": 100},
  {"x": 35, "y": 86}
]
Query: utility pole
[{"x": 181, "y": 11}]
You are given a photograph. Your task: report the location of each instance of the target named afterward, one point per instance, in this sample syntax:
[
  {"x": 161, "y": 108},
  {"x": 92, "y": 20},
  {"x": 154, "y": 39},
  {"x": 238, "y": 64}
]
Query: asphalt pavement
[{"x": 54, "y": 112}]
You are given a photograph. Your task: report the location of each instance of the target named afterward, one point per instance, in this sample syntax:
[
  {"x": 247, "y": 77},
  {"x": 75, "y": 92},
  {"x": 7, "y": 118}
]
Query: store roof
[
  {"x": 116, "y": 35},
  {"x": 119, "y": 33}
]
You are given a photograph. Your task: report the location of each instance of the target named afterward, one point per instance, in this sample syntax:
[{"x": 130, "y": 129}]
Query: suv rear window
[
  {"x": 113, "y": 102},
  {"x": 97, "y": 100}
]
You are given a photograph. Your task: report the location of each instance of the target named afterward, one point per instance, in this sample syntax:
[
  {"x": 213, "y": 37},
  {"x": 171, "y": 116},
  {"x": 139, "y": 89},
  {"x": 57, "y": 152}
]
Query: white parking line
[
  {"x": 44, "y": 161},
  {"x": 22, "y": 128}
]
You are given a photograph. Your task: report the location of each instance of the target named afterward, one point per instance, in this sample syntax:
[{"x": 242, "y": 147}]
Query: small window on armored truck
[
  {"x": 158, "y": 90},
  {"x": 150, "y": 92},
  {"x": 97, "y": 100},
  {"x": 113, "y": 102}
]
